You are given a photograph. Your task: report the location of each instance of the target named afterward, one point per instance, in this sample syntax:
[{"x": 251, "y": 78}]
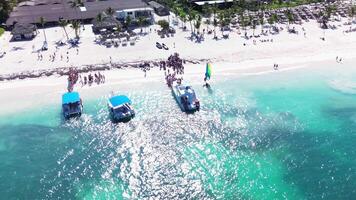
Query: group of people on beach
[
  {"x": 171, "y": 78},
  {"x": 173, "y": 67},
  {"x": 97, "y": 78},
  {"x": 52, "y": 57},
  {"x": 74, "y": 77}
]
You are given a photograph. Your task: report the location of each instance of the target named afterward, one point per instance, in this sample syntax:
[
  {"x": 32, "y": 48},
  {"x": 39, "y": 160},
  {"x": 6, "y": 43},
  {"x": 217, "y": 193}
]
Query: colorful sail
[{"x": 208, "y": 71}]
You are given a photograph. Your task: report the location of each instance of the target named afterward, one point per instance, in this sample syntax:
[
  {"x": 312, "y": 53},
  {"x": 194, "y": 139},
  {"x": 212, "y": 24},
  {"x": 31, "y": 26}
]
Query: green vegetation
[
  {"x": 42, "y": 21},
  {"x": 163, "y": 24},
  {"x": 2, "y": 31},
  {"x": 75, "y": 25},
  {"x": 5, "y": 9},
  {"x": 276, "y": 4}
]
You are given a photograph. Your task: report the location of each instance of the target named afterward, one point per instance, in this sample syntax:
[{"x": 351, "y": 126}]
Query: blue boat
[
  {"x": 71, "y": 105},
  {"x": 186, "y": 98},
  {"x": 120, "y": 109}
]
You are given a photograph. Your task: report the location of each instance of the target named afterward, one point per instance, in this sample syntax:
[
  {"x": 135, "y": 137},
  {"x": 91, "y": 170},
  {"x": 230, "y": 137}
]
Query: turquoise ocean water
[{"x": 286, "y": 135}]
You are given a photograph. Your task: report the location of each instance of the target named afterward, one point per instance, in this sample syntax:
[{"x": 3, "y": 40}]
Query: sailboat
[{"x": 207, "y": 75}]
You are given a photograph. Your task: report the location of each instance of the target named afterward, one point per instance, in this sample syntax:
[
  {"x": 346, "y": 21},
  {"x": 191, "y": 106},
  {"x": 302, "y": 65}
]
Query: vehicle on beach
[
  {"x": 186, "y": 98},
  {"x": 120, "y": 109},
  {"x": 71, "y": 105},
  {"x": 158, "y": 45},
  {"x": 164, "y": 46}
]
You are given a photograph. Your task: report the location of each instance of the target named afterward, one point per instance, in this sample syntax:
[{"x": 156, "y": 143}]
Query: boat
[
  {"x": 207, "y": 75},
  {"x": 71, "y": 105},
  {"x": 186, "y": 98},
  {"x": 120, "y": 109}
]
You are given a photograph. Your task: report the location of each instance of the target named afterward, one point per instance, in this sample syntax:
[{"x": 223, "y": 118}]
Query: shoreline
[
  {"x": 62, "y": 71},
  {"x": 50, "y": 89}
]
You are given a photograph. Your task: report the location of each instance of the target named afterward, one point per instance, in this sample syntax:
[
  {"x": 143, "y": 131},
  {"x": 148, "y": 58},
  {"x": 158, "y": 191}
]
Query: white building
[{"x": 135, "y": 13}]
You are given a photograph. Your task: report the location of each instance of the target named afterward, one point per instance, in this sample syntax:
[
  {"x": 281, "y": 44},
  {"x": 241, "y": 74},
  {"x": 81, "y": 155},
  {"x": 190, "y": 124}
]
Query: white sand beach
[{"x": 228, "y": 56}]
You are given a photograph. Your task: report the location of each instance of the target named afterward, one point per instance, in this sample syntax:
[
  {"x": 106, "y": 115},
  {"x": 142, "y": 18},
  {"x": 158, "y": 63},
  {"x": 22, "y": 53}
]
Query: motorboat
[
  {"x": 120, "y": 109},
  {"x": 71, "y": 105},
  {"x": 186, "y": 98}
]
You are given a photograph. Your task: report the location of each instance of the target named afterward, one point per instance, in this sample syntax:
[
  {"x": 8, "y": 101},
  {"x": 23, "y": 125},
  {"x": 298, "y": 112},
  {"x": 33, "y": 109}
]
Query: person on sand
[
  {"x": 90, "y": 79},
  {"x": 275, "y": 66},
  {"x": 81, "y": 80}
]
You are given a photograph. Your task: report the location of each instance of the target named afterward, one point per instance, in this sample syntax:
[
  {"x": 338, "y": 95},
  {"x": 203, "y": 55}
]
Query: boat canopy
[
  {"x": 119, "y": 100},
  {"x": 70, "y": 97}
]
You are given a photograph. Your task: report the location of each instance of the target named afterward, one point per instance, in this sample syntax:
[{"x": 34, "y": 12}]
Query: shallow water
[{"x": 287, "y": 135}]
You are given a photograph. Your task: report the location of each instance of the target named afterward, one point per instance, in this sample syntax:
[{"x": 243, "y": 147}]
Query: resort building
[
  {"x": 29, "y": 12},
  {"x": 107, "y": 22},
  {"x": 135, "y": 13},
  {"x": 24, "y": 32},
  {"x": 219, "y": 3},
  {"x": 159, "y": 8}
]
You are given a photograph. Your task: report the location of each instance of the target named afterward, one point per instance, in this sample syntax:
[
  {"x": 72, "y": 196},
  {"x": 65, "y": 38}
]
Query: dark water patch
[
  {"x": 21, "y": 165},
  {"x": 314, "y": 166}
]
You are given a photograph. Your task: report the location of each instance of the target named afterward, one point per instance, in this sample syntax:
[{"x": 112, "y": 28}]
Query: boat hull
[
  {"x": 69, "y": 115},
  {"x": 178, "y": 97},
  {"x": 121, "y": 119}
]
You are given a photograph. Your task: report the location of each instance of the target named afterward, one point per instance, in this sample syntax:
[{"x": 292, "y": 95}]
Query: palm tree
[
  {"x": 140, "y": 22},
  {"x": 270, "y": 22},
  {"x": 352, "y": 13},
  {"x": 207, "y": 22},
  {"x": 183, "y": 18},
  {"x": 191, "y": 17},
  {"x": 110, "y": 12},
  {"x": 330, "y": 10},
  {"x": 215, "y": 22},
  {"x": 274, "y": 19},
  {"x": 63, "y": 23},
  {"x": 221, "y": 17},
  {"x": 254, "y": 24},
  {"x": 75, "y": 25},
  {"x": 73, "y": 4},
  {"x": 175, "y": 10},
  {"x": 198, "y": 23},
  {"x": 206, "y": 10},
  {"x": 244, "y": 22},
  {"x": 76, "y": 4},
  {"x": 118, "y": 30},
  {"x": 99, "y": 17},
  {"x": 262, "y": 21},
  {"x": 42, "y": 21},
  {"x": 326, "y": 15},
  {"x": 128, "y": 22},
  {"x": 289, "y": 16}
]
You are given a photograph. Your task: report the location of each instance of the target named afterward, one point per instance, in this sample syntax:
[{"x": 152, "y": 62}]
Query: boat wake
[{"x": 162, "y": 155}]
